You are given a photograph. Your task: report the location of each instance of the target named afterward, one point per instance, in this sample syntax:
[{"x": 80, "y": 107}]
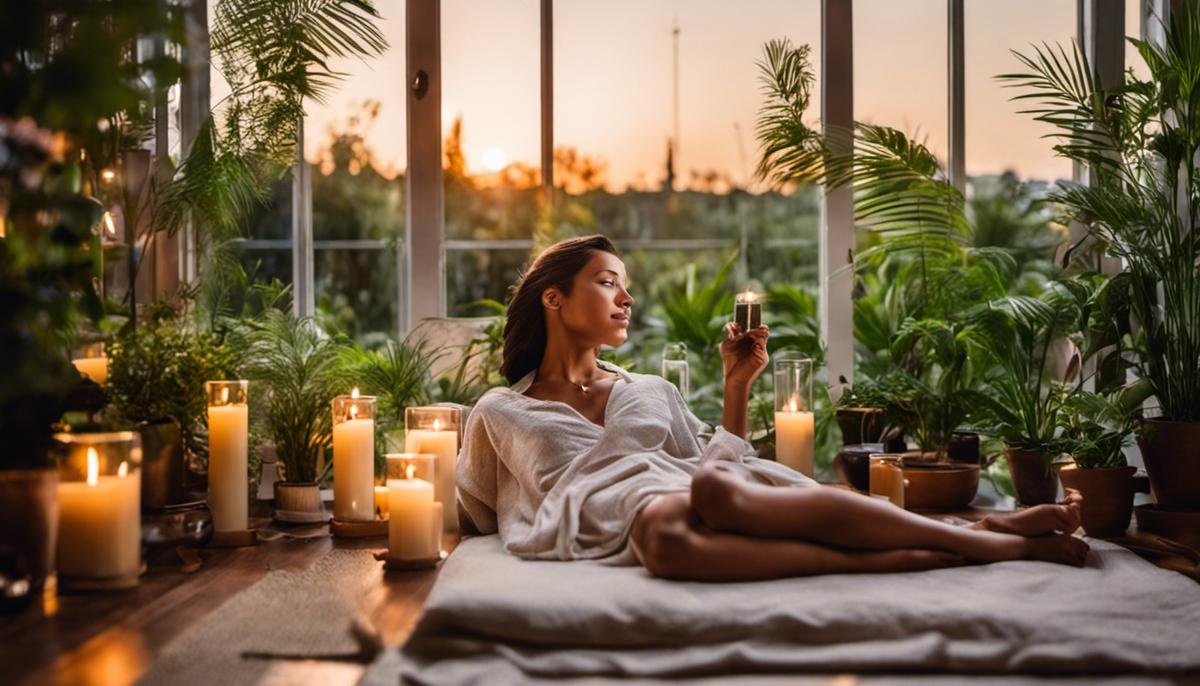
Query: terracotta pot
[
  {"x": 860, "y": 425},
  {"x": 939, "y": 486},
  {"x": 29, "y": 512},
  {"x": 297, "y": 497},
  {"x": 1181, "y": 526},
  {"x": 1034, "y": 481},
  {"x": 1107, "y": 497},
  {"x": 1171, "y": 453}
]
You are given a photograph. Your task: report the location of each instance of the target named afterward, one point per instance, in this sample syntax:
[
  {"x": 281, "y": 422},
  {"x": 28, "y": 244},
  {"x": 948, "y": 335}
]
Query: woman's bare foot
[
  {"x": 1063, "y": 549},
  {"x": 1038, "y": 520}
]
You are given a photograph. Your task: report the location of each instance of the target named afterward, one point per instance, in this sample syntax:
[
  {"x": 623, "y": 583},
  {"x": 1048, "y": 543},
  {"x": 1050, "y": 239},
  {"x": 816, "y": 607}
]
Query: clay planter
[
  {"x": 939, "y": 486},
  {"x": 1107, "y": 497},
  {"x": 860, "y": 425},
  {"x": 1171, "y": 453},
  {"x": 1034, "y": 482},
  {"x": 29, "y": 512},
  {"x": 298, "y": 497},
  {"x": 964, "y": 448}
]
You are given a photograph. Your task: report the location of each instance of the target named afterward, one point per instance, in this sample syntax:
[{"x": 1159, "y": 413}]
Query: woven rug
[{"x": 286, "y": 615}]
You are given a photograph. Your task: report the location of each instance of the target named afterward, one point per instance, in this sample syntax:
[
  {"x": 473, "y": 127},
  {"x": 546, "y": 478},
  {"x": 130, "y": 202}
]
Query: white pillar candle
[
  {"x": 94, "y": 368},
  {"x": 228, "y": 445},
  {"x": 443, "y": 444},
  {"x": 794, "y": 440},
  {"x": 100, "y": 529},
  {"x": 354, "y": 458},
  {"x": 437, "y": 527},
  {"x": 411, "y": 522}
]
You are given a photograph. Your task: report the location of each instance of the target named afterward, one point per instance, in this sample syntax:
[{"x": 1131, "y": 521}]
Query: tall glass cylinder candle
[
  {"x": 91, "y": 361},
  {"x": 354, "y": 457},
  {"x": 794, "y": 411},
  {"x": 228, "y": 445},
  {"x": 99, "y": 507},
  {"x": 675, "y": 367},
  {"x": 414, "y": 531},
  {"x": 747, "y": 310},
  {"x": 435, "y": 431}
]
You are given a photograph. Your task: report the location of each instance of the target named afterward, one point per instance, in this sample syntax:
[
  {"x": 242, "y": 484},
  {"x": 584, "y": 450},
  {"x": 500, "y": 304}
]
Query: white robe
[{"x": 557, "y": 486}]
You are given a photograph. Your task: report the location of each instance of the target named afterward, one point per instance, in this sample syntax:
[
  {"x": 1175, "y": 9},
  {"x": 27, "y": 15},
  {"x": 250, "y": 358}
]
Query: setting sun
[{"x": 492, "y": 159}]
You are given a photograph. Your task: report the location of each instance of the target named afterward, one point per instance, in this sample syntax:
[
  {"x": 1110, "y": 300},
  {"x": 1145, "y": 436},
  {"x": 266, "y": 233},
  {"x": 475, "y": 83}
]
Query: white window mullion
[
  {"x": 303, "y": 301},
  {"x": 956, "y": 97}
]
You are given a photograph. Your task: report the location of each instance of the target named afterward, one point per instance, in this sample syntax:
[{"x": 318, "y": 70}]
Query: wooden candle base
[
  {"x": 233, "y": 539},
  {"x": 116, "y": 583},
  {"x": 374, "y": 529},
  {"x": 395, "y": 564}
]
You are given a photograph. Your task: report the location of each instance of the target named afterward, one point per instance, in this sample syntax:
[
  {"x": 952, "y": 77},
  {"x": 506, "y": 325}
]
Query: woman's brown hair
[{"x": 525, "y": 325}]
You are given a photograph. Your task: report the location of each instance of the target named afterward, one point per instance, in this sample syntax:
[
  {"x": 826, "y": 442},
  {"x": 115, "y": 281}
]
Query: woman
[{"x": 579, "y": 459}]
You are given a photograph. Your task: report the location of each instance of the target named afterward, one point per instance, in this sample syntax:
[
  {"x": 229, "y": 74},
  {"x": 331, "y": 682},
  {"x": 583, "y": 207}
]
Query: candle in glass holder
[
  {"x": 99, "y": 507},
  {"x": 747, "y": 310},
  {"x": 354, "y": 457},
  {"x": 434, "y": 430},
  {"x": 794, "y": 426},
  {"x": 91, "y": 361},
  {"x": 414, "y": 532},
  {"x": 887, "y": 478},
  {"x": 228, "y": 447},
  {"x": 675, "y": 367}
]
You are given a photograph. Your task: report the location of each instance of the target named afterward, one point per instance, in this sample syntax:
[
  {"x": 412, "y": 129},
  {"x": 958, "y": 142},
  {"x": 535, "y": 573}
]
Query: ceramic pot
[
  {"x": 1034, "y": 481},
  {"x": 1107, "y": 497},
  {"x": 860, "y": 425},
  {"x": 163, "y": 466},
  {"x": 1171, "y": 453},
  {"x": 939, "y": 486},
  {"x": 297, "y": 497},
  {"x": 964, "y": 448},
  {"x": 29, "y": 534}
]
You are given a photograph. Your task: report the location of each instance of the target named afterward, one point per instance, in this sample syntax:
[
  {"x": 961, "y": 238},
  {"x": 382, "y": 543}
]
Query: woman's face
[{"x": 597, "y": 310}]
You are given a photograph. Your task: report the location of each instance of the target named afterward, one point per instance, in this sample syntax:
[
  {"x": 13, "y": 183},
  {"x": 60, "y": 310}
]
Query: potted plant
[
  {"x": 156, "y": 381},
  {"x": 1139, "y": 142},
  {"x": 294, "y": 371},
  {"x": 1097, "y": 428}
]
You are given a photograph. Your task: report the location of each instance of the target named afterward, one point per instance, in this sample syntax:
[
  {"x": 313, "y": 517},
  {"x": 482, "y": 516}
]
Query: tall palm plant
[{"x": 1140, "y": 140}]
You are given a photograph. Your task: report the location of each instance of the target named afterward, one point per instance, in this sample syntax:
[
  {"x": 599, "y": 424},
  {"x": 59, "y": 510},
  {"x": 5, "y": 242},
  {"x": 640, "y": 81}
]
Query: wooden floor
[{"x": 110, "y": 639}]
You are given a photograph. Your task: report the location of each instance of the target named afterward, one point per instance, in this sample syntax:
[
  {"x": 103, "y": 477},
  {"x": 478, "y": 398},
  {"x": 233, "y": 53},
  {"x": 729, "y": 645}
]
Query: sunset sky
[{"x": 613, "y": 63}]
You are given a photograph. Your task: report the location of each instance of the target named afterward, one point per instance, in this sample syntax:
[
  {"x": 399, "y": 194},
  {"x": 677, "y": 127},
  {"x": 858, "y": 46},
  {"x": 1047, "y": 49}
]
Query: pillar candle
[
  {"x": 99, "y": 529},
  {"x": 443, "y": 444},
  {"x": 228, "y": 481},
  {"x": 354, "y": 470},
  {"x": 887, "y": 479},
  {"x": 411, "y": 522},
  {"x": 794, "y": 440},
  {"x": 381, "y": 502}
]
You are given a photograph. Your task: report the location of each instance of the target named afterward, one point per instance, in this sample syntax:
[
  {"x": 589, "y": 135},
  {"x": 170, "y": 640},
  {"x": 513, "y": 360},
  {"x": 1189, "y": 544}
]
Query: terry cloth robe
[{"x": 557, "y": 486}]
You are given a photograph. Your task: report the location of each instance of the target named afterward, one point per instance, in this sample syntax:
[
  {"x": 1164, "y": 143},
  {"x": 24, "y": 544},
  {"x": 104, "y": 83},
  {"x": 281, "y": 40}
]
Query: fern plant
[
  {"x": 294, "y": 370},
  {"x": 1140, "y": 140}
]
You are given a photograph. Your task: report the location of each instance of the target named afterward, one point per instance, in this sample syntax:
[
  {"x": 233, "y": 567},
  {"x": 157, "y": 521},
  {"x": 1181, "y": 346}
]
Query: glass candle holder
[
  {"x": 747, "y": 310},
  {"x": 228, "y": 447},
  {"x": 414, "y": 521},
  {"x": 887, "y": 477},
  {"x": 675, "y": 367},
  {"x": 99, "y": 507},
  {"x": 91, "y": 361},
  {"x": 794, "y": 425},
  {"x": 354, "y": 457},
  {"x": 436, "y": 431}
]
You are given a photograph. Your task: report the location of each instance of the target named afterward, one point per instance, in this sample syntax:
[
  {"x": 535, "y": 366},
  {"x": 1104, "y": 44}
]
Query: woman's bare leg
[
  {"x": 1038, "y": 520},
  {"x": 843, "y": 519},
  {"x": 672, "y": 542}
]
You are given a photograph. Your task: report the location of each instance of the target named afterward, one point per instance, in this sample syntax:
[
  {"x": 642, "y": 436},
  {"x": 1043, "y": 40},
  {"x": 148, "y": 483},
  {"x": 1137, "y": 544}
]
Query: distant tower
[
  {"x": 669, "y": 182},
  {"x": 675, "y": 84}
]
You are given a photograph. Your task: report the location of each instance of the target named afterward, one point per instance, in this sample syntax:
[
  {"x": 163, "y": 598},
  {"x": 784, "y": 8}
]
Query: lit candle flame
[
  {"x": 354, "y": 393},
  {"x": 108, "y": 175},
  {"x": 225, "y": 395},
  {"x": 353, "y": 411},
  {"x": 409, "y": 471},
  {"x": 123, "y": 470},
  {"x": 93, "y": 467},
  {"x": 109, "y": 226},
  {"x": 792, "y": 406},
  {"x": 437, "y": 424},
  {"x": 748, "y": 296}
]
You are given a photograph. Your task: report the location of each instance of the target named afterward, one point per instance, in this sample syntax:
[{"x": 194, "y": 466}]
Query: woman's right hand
[{"x": 744, "y": 354}]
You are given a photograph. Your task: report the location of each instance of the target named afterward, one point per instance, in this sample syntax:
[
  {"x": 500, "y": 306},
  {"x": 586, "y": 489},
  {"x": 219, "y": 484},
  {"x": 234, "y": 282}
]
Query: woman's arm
[{"x": 744, "y": 355}]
